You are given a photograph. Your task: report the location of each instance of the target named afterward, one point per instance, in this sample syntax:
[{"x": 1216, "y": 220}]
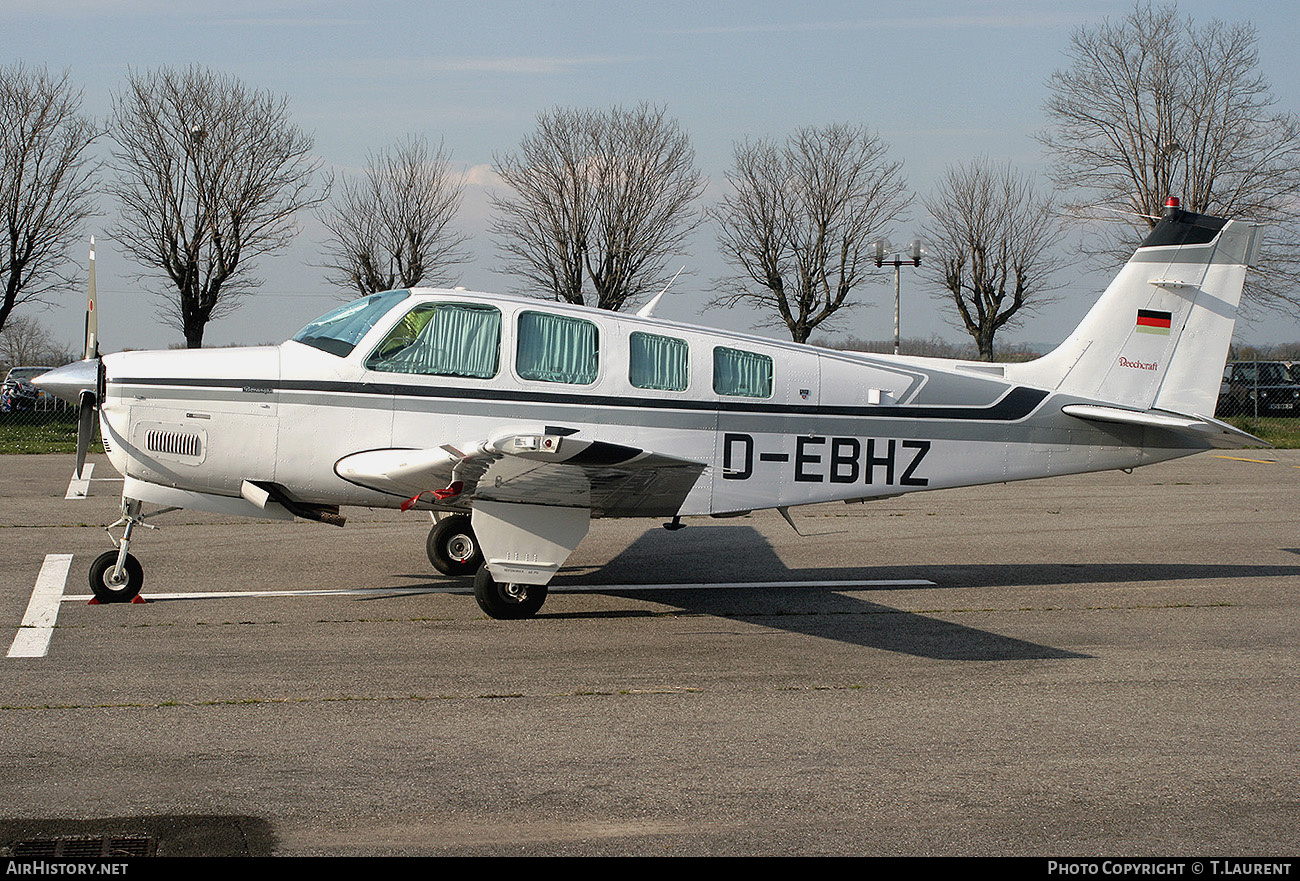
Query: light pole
[
  {"x": 898, "y": 260},
  {"x": 1165, "y": 153}
]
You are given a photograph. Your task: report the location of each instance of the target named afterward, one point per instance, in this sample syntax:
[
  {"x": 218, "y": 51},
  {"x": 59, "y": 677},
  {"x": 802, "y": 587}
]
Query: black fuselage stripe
[{"x": 1016, "y": 404}]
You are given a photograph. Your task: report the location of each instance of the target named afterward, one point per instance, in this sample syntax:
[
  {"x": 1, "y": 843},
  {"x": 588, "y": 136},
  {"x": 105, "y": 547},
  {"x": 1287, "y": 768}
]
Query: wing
[{"x": 549, "y": 466}]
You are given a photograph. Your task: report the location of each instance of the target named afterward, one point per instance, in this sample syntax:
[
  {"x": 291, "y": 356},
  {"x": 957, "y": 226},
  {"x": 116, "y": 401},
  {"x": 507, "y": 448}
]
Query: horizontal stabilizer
[{"x": 1220, "y": 434}]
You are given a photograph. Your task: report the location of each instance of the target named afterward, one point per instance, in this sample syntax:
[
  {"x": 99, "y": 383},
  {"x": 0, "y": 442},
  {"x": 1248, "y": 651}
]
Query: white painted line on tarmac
[
  {"x": 33, "y": 639},
  {"x": 739, "y": 585},
  {"x": 263, "y": 594},
  {"x": 554, "y": 588},
  {"x": 79, "y": 487}
]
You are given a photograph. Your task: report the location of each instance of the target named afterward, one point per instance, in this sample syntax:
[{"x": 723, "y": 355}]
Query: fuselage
[
  {"x": 775, "y": 424},
  {"x": 528, "y": 419}
]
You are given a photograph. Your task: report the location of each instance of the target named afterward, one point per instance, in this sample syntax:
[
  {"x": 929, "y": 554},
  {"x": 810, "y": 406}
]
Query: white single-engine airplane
[{"x": 516, "y": 421}]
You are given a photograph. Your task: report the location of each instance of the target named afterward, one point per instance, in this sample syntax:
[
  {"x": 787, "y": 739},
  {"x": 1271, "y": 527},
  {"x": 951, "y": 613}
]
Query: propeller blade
[
  {"x": 92, "y": 316},
  {"x": 85, "y": 427}
]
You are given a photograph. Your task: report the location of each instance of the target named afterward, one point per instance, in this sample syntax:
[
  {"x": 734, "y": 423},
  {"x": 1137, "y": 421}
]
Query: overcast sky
[{"x": 941, "y": 82}]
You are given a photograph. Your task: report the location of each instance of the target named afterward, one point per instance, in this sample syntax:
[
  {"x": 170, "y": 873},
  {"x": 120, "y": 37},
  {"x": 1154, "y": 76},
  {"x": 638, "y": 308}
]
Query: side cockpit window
[{"x": 442, "y": 339}]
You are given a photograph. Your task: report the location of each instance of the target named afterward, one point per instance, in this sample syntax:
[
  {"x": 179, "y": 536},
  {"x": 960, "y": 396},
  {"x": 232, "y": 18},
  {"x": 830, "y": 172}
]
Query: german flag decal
[{"x": 1153, "y": 321}]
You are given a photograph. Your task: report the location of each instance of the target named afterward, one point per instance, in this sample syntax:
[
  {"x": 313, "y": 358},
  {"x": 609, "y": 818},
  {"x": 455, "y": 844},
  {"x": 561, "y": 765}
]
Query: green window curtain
[
  {"x": 657, "y": 362},
  {"x": 557, "y": 348},
  {"x": 464, "y": 341},
  {"x": 744, "y": 374},
  {"x": 443, "y": 339}
]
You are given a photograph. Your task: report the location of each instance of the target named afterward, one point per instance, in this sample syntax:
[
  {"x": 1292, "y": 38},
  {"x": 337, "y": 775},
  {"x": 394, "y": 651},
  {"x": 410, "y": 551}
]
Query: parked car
[
  {"x": 1260, "y": 388},
  {"x": 18, "y": 393}
]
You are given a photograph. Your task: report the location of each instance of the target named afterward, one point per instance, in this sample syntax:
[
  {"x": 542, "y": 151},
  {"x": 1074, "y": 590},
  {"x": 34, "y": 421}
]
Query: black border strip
[{"x": 1016, "y": 404}]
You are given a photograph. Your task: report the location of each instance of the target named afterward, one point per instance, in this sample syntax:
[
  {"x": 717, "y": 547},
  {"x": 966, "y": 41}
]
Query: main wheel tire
[
  {"x": 101, "y": 578},
  {"x": 453, "y": 548},
  {"x": 507, "y": 601}
]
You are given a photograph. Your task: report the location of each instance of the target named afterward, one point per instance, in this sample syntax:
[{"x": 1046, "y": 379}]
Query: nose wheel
[
  {"x": 112, "y": 583},
  {"x": 116, "y": 576}
]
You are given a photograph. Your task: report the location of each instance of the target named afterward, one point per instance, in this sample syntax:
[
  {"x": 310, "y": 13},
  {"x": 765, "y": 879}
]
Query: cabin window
[
  {"x": 742, "y": 374},
  {"x": 657, "y": 362},
  {"x": 557, "y": 348},
  {"x": 339, "y": 331},
  {"x": 442, "y": 339}
]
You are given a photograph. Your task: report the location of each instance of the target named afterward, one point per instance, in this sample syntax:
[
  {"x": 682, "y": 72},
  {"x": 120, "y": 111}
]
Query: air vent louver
[{"x": 175, "y": 443}]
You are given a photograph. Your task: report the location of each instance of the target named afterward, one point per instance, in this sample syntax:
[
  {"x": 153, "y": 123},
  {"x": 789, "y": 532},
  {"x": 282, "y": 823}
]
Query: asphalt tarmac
[{"x": 1099, "y": 665}]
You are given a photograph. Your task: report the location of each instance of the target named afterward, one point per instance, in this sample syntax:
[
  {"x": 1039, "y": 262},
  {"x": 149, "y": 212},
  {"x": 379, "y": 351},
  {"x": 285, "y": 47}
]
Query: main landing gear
[
  {"x": 116, "y": 576},
  {"x": 452, "y": 548},
  {"x": 507, "y": 601}
]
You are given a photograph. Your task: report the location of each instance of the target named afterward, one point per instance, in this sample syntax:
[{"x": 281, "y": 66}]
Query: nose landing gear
[{"x": 116, "y": 576}]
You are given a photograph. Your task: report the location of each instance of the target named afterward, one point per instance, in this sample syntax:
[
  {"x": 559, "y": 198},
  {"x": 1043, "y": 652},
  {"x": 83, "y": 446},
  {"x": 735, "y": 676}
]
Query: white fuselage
[
  {"x": 831, "y": 425},
  {"x": 534, "y": 418}
]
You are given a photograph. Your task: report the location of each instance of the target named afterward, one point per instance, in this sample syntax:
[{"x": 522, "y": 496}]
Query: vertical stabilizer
[{"x": 1158, "y": 337}]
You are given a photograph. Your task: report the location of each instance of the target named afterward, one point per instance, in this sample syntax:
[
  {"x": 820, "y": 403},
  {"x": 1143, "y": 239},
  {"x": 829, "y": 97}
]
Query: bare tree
[
  {"x": 799, "y": 225},
  {"x": 933, "y": 346},
  {"x": 25, "y": 341},
  {"x": 1153, "y": 106},
  {"x": 46, "y": 184},
  {"x": 209, "y": 176},
  {"x": 599, "y": 201},
  {"x": 393, "y": 228},
  {"x": 992, "y": 242}
]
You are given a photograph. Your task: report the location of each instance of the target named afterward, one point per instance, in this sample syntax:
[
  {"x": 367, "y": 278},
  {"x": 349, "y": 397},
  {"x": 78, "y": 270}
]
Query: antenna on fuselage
[
  {"x": 647, "y": 310},
  {"x": 1120, "y": 211}
]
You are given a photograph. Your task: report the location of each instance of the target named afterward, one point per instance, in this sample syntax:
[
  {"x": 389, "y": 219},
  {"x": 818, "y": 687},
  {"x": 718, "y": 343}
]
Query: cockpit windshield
[{"x": 339, "y": 331}]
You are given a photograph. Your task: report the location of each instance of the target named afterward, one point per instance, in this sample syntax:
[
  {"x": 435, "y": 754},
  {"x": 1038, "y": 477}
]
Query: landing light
[{"x": 545, "y": 443}]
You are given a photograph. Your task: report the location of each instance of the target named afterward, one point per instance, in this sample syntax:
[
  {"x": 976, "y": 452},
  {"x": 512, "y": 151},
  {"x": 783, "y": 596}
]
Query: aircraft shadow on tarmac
[
  {"x": 737, "y": 554},
  {"x": 741, "y": 553}
]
